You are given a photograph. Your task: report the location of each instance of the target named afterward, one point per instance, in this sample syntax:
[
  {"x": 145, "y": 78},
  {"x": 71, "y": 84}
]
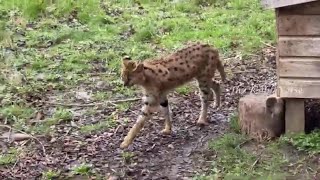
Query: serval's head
[{"x": 132, "y": 72}]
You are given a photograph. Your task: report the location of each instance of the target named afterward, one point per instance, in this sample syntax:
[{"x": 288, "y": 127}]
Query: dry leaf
[{"x": 39, "y": 116}]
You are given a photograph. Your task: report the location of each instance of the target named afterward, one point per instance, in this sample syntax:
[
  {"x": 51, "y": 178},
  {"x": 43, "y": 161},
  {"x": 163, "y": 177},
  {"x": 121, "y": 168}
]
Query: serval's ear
[
  {"x": 127, "y": 63},
  {"x": 126, "y": 58},
  {"x": 139, "y": 67}
]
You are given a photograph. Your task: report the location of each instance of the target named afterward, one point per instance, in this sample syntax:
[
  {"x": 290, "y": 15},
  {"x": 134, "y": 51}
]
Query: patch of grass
[
  {"x": 234, "y": 160},
  {"x": 101, "y": 125},
  {"x": 304, "y": 142},
  {"x": 184, "y": 90},
  {"x": 62, "y": 114},
  {"x": 50, "y": 174},
  {"x": 123, "y": 106},
  {"x": 102, "y": 96},
  {"x": 14, "y": 113},
  {"x": 127, "y": 156},
  {"x": 9, "y": 157},
  {"x": 82, "y": 169},
  {"x": 234, "y": 123}
]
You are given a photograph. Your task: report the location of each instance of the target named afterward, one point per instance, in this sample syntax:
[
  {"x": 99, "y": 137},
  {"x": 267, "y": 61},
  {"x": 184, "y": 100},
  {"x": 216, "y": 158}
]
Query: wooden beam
[
  {"x": 299, "y": 46},
  {"x": 282, "y": 3},
  {"x": 299, "y": 88},
  {"x": 312, "y": 8},
  {"x": 293, "y": 25},
  {"x": 307, "y": 67},
  {"x": 294, "y": 116}
]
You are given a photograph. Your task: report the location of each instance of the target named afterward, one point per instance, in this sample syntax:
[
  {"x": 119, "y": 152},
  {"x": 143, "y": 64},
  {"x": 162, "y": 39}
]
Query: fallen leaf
[{"x": 39, "y": 116}]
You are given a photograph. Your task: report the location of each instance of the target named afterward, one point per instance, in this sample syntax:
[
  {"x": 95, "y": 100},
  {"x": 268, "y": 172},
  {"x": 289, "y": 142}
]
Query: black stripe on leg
[
  {"x": 144, "y": 113},
  {"x": 164, "y": 103},
  {"x": 205, "y": 92}
]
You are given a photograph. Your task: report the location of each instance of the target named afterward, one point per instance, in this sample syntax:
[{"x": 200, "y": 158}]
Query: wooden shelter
[{"x": 298, "y": 56}]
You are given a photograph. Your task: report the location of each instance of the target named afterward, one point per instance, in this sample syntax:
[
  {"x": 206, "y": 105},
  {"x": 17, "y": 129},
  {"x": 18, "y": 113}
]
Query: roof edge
[{"x": 270, "y": 4}]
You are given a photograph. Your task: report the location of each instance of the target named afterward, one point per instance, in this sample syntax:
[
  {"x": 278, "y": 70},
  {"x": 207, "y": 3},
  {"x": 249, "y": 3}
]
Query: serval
[{"x": 158, "y": 76}]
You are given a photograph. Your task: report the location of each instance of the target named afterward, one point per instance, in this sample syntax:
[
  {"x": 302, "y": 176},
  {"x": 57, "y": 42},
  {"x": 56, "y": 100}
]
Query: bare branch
[{"x": 94, "y": 104}]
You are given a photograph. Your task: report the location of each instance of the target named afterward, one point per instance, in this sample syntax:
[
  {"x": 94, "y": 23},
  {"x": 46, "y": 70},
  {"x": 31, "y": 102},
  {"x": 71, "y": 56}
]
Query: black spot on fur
[
  {"x": 160, "y": 71},
  {"x": 164, "y": 103},
  {"x": 176, "y": 69},
  {"x": 144, "y": 113},
  {"x": 205, "y": 92}
]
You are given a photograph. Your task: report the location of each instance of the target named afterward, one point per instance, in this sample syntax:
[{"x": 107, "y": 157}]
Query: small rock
[
  {"x": 113, "y": 178},
  {"x": 101, "y": 84},
  {"x": 83, "y": 95},
  {"x": 120, "y": 129}
]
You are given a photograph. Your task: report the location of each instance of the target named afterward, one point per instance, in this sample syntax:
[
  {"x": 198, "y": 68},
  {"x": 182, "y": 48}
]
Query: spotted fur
[{"x": 158, "y": 76}]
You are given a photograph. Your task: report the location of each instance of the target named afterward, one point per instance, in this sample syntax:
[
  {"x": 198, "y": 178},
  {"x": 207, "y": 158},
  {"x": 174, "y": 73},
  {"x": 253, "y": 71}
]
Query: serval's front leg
[
  {"x": 145, "y": 114},
  {"x": 165, "y": 109}
]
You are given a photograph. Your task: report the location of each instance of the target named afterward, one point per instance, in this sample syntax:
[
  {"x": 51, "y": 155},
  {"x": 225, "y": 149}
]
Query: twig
[
  {"x": 116, "y": 130},
  {"x": 244, "y": 142},
  {"x": 94, "y": 104},
  {"x": 269, "y": 45},
  {"x": 10, "y": 128},
  {"x": 15, "y": 164},
  {"x": 256, "y": 161}
]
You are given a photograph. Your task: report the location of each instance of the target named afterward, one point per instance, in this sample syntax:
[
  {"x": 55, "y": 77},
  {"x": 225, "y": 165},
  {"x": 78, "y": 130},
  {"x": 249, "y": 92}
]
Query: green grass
[
  {"x": 236, "y": 160},
  {"x": 238, "y": 156},
  {"x": 82, "y": 169},
  {"x": 50, "y": 174},
  {"x": 9, "y": 157},
  {"x": 115, "y": 28},
  {"x": 304, "y": 142},
  {"x": 99, "y": 126}
]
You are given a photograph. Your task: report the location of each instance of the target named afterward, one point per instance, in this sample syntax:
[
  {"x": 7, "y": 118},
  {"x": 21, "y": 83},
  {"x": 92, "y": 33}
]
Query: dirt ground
[{"x": 152, "y": 155}]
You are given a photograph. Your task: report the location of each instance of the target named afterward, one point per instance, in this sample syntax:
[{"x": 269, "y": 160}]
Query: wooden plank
[
  {"x": 299, "y": 25},
  {"x": 299, "y": 88},
  {"x": 299, "y": 46},
  {"x": 299, "y": 67},
  {"x": 311, "y": 8},
  {"x": 294, "y": 116},
  {"x": 282, "y": 3}
]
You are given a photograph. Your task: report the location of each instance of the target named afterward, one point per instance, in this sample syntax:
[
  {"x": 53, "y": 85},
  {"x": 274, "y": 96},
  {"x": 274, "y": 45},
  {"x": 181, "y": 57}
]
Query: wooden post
[{"x": 295, "y": 116}]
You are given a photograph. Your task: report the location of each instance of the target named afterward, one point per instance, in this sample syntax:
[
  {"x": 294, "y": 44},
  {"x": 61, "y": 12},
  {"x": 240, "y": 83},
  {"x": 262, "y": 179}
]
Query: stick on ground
[
  {"x": 93, "y": 104},
  {"x": 12, "y": 129}
]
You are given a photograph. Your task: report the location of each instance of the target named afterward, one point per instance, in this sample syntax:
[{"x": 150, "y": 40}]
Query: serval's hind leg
[
  {"x": 215, "y": 86},
  {"x": 205, "y": 91},
  {"x": 166, "y": 112}
]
